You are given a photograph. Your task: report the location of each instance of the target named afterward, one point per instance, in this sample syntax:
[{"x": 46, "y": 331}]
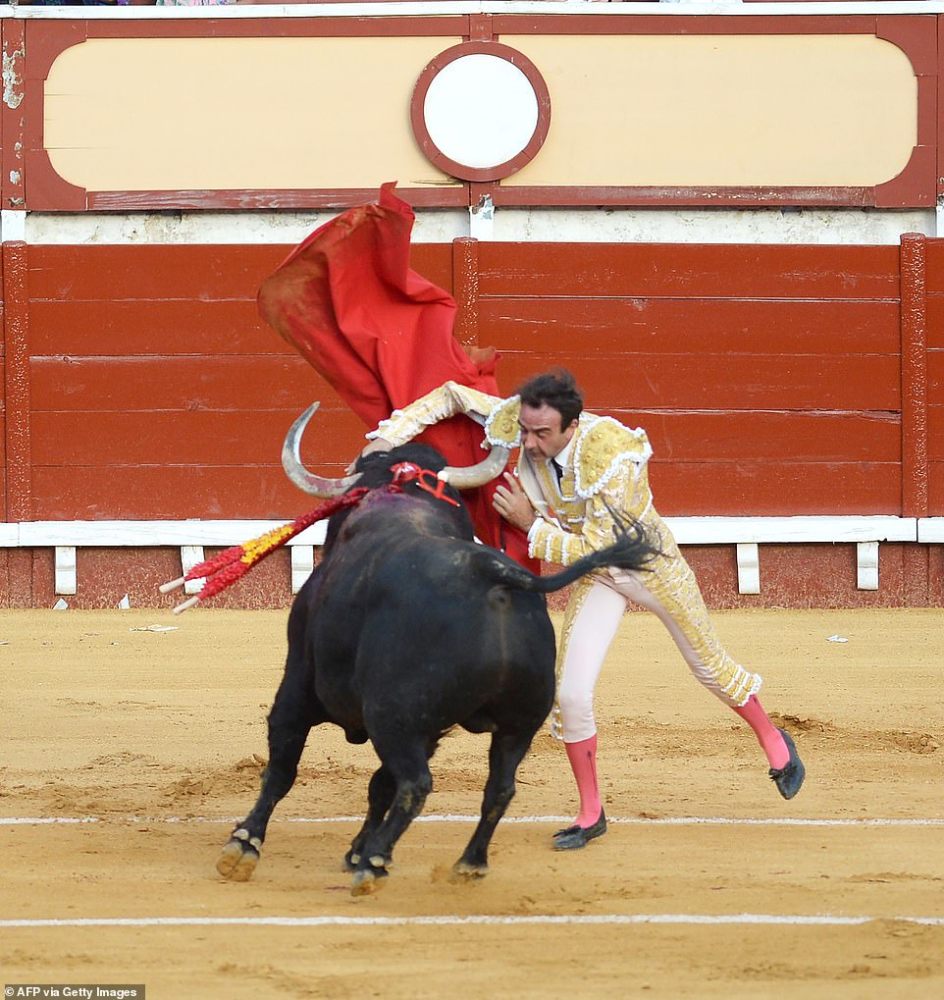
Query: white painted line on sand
[
  {"x": 800, "y": 920},
  {"x": 862, "y": 821},
  {"x": 44, "y": 820}
]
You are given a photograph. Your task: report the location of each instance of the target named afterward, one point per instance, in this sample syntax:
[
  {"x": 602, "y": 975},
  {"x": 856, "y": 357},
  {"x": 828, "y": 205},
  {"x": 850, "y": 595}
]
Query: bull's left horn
[
  {"x": 317, "y": 486},
  {"x": 468, "y": 477}
]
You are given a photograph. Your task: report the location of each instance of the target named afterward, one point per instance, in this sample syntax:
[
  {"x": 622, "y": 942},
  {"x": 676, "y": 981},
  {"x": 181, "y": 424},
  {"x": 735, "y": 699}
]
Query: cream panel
[
  {"x": 740, "y": 110},
  {"x": 225, "y": 113}
]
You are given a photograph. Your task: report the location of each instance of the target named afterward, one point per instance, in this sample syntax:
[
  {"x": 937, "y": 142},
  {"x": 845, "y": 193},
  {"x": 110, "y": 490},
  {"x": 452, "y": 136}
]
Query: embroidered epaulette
[
  {"x": 600, "y": 450},
  {"x": 502, "y": 426}
]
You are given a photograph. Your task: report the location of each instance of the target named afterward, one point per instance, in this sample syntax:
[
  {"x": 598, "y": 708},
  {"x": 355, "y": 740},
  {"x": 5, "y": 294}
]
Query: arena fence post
[
  {"x": 914, "y": 377},
  {"x": 465, "y": 277},
  {"x": 16, "y": 377}
]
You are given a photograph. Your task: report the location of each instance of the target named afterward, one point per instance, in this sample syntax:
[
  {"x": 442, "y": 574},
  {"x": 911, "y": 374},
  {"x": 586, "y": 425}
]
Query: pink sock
[
  {"x": 583, "y": 762},
  {"x": 768, "y": 735}
]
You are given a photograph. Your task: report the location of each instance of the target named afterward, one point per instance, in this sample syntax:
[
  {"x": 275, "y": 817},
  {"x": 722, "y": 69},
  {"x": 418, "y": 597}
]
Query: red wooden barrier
[
  {"x": 934, "y": 332},
  {"x": 141, "y": 384},
  {"x": 770, "y": 379}
]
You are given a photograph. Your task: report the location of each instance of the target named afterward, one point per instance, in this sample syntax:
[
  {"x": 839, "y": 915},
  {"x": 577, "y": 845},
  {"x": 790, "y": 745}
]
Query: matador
[{"x": 577, "y": 473}]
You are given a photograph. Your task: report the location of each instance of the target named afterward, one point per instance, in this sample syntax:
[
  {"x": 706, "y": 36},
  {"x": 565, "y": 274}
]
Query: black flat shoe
[
  {"x": 573, "y": 837},
  {"x": 788, "y": 778}
]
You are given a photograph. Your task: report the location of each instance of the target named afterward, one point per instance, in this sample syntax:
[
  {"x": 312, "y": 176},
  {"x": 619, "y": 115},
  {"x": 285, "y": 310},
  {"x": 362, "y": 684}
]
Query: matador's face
[{"x": 542, "y": 436}]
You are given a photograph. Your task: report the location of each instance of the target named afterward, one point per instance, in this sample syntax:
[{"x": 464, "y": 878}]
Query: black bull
[{"x": 406, "y": 628}]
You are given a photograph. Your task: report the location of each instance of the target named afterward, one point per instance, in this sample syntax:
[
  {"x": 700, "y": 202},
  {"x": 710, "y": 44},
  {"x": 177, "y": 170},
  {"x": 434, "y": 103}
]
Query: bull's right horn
[
  {"x": 305, "y": 480},
  {"x": 470, "y": 476}
]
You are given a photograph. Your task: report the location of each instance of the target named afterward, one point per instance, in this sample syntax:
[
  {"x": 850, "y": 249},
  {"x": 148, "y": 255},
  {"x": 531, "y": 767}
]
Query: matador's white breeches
[{"x": 592, "y": 617}]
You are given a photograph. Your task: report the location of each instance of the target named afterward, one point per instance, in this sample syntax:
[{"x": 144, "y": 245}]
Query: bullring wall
[
  {"x": 773, "y": 381},
  {"x": 674, "y": 247}
]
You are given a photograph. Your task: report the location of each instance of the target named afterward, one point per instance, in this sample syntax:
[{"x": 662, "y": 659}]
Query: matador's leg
[
  {"x": 671, "y": 592},
  {"x": 592, "y": 617}
]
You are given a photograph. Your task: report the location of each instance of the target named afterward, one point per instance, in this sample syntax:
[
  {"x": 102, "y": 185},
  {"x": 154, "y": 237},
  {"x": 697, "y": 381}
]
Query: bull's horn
[
  {"x": 468, "y": 477},
  {"x": 318, "y": 486}
]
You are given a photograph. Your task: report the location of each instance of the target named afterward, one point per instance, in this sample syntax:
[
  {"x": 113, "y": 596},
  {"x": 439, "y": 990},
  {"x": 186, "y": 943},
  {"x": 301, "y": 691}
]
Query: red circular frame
[{"x": 432, "y": 152}]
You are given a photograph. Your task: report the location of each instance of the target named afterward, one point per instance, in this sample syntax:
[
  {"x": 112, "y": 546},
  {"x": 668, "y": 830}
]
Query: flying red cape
[{"x": 382, "y": 335}]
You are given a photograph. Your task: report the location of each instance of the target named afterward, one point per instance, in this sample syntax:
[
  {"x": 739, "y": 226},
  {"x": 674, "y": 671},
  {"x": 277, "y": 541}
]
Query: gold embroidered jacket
[{"x": 607, "y": 470}]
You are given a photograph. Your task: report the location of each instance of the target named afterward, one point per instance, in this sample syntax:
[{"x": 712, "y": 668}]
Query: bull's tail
[{"x": 632, "y": 549}]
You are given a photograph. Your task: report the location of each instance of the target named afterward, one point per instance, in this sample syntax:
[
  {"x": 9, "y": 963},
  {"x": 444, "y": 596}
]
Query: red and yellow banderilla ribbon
[
  {"x": 228, "y": 566},
  {"x": 225, "y": 568}
]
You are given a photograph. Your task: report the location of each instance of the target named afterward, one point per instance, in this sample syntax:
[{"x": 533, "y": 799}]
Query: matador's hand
[{"x": 513, "y": 504}]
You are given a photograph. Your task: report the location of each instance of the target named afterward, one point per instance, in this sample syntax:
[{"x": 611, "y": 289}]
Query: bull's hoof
[
  {"x": 366, "y": 881},
  {"x": 238, "y": 859},
  {"x": 352, "y": 859},
  {"x": 465, "y": 871}
]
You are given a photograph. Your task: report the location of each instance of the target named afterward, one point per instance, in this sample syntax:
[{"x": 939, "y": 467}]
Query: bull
[{"x": 407, "y": 628}]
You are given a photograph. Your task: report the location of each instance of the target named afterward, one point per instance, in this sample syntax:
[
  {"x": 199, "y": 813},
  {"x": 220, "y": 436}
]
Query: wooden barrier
[{"x": 790, "y": 392}]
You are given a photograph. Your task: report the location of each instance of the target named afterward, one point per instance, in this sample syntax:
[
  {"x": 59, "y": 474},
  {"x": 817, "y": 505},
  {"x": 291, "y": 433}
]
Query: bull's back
[{"x": 429, "y": 628}]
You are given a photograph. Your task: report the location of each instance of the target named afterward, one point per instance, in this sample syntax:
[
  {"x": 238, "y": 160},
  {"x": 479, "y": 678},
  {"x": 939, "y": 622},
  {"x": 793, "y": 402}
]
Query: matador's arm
[
  {"x": 610, "y": 476},
  {"x": 548, "y": 541},
  {"x": 448, "y": 400}
]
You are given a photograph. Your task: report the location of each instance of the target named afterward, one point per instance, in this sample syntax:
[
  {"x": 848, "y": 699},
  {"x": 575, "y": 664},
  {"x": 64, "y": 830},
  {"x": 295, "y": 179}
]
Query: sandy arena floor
[{"x": 707, "y": 885}]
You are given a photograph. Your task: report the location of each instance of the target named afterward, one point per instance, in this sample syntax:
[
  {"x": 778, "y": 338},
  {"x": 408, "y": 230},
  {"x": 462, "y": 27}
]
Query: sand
[{"x": 699, "y": 889}]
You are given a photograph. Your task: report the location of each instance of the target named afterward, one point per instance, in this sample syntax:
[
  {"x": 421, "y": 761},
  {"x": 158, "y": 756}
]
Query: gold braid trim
[
  {"x": 447, "y": 400},
  {"x": 403, "y": 425},
  {"x": 501, "y": 427},
  {"x": 600, "y": 451},
  {"x": 672, "y": 583}
]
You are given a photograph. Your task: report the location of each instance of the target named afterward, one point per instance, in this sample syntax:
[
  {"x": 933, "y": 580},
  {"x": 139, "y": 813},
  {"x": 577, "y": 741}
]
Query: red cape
[{"x": 381, "y": 335}]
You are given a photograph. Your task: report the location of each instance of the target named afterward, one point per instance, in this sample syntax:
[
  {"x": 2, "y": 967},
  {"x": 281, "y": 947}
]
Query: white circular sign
[{"x": 480, "y": 110}]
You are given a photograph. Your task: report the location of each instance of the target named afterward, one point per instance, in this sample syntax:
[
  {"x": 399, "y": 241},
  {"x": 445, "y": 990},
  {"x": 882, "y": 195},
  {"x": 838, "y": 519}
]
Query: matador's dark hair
[{"x": 558, "y": 389}]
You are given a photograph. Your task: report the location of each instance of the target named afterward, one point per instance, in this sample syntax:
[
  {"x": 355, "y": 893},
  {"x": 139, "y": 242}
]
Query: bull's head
[{"x": 462, "y": 478}]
